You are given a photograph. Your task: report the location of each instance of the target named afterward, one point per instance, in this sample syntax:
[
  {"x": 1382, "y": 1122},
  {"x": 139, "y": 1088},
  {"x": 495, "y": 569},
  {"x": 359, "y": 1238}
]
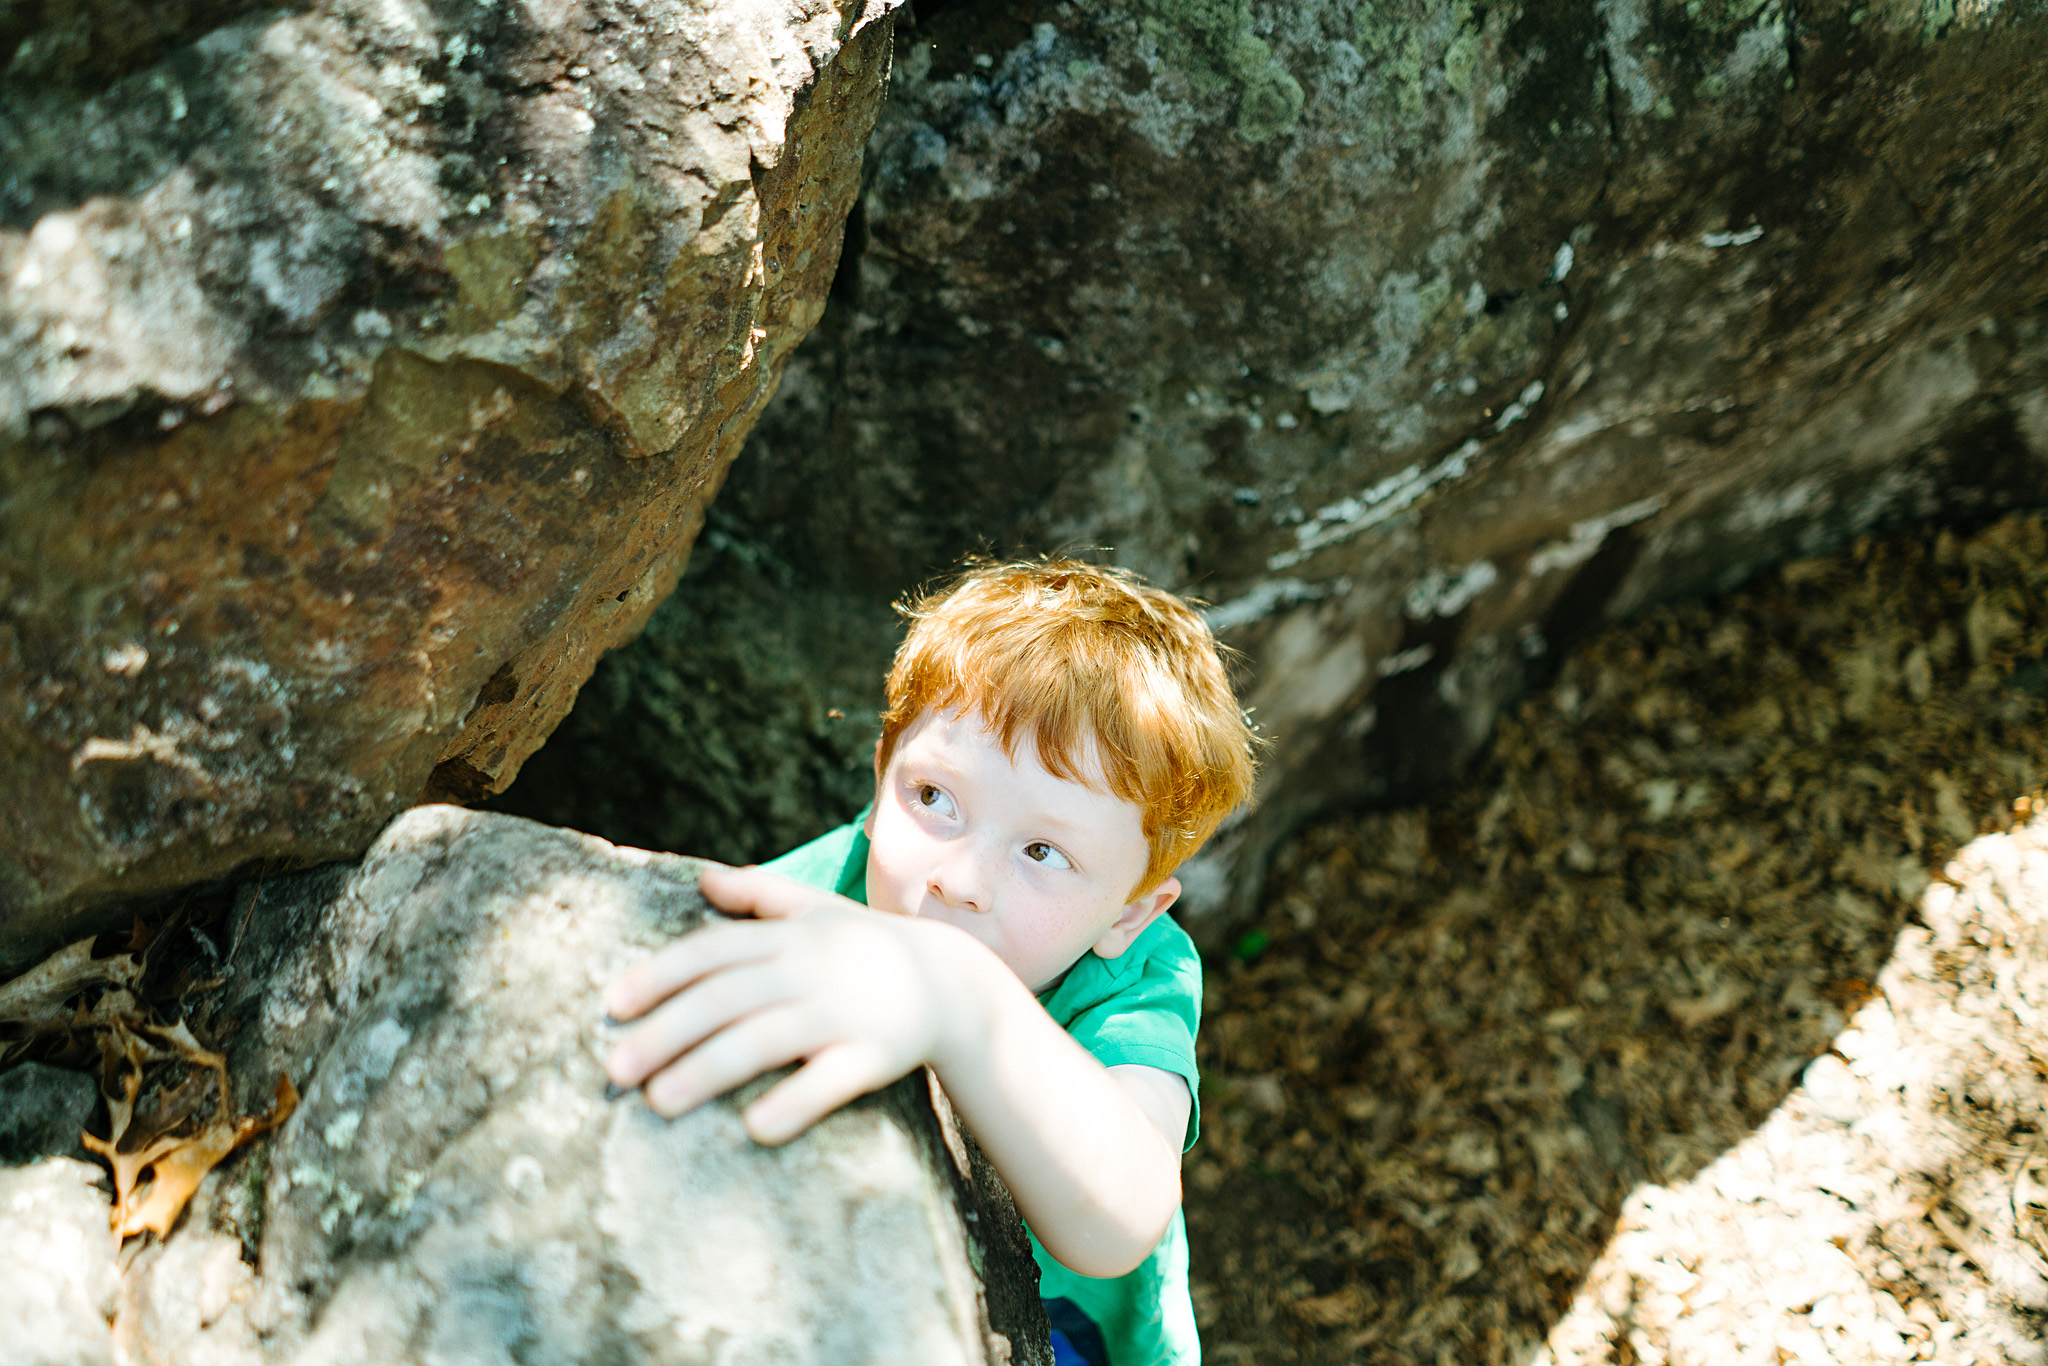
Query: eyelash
[{"x": 1052, "y": 850}]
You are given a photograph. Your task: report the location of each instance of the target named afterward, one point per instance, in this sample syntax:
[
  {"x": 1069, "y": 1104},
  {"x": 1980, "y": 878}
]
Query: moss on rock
[{"x": 1212, "y": 41}]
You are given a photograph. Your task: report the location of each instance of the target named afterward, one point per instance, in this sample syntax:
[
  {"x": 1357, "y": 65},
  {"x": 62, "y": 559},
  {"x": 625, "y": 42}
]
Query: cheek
[
  {"x": 885, "y": 869},
  {"x": 1059, "y": 920},
  {"x": 894, "y": 864}
]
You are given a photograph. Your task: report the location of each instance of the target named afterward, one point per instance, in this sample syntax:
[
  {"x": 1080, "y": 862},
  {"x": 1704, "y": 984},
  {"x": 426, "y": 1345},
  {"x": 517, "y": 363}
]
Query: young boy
[{"x": 1058, "y": 739}]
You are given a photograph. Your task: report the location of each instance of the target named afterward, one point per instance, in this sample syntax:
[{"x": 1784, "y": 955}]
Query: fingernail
[
  {"x": 612, "y": 1090},
  {"x": 613, "y": 1020}
]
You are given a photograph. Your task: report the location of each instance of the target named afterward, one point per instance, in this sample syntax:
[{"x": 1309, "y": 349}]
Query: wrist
[{"x": 968, "y": 986}]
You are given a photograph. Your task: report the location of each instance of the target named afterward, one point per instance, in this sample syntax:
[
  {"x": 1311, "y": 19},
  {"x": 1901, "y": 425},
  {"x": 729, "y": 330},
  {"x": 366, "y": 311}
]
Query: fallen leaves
[
  {"x": 157, "y": 1167},
  {"x": 38, "y": 995},
  {"x": 74, "y": 1002},
  {"x": 1465, "y": 1031}
]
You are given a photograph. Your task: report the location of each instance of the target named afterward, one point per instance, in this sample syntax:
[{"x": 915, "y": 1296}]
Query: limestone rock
[
  {"x": 456, "y": 1186},
  {"x": 365, "y": 369},
  {"x": 57, "y": 1279},
  {"x": 1417, "y": 336}
]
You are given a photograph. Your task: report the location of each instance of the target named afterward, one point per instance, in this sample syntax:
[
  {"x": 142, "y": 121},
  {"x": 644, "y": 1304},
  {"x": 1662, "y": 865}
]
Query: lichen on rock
[
  {"x": 458, "y": 1180},
  {"x": 1213, "y": 41},
  {"x": 365, "y": 372}
]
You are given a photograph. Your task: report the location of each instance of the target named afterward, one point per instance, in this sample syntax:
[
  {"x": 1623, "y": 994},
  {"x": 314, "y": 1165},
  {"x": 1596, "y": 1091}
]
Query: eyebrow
[
  {"x": 928, "y": 763},
  {"x": 1058, "y": 824}
]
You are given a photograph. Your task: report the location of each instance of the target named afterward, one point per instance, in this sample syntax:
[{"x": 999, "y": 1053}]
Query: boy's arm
[
  {"x": 1083, "y": 1148},
  {"x": 863, "y": 997}
]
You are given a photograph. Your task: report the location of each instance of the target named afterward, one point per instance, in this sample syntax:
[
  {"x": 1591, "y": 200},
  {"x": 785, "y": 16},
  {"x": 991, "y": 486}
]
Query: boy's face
[{"x": 1036, "y": 867}]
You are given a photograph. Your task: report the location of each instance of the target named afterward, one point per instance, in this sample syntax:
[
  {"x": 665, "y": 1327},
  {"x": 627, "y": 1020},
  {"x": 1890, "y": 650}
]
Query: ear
[{"x": 1134, "y": 918}]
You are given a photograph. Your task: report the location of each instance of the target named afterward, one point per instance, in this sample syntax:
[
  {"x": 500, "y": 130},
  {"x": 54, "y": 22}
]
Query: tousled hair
[{"x": 1074, "y": 654}]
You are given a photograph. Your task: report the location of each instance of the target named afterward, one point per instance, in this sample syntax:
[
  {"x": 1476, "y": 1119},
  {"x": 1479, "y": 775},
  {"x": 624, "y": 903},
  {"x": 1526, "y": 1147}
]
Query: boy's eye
[
  {"x": 1038, "y": 851},
  {"x": 934, "y": 799}
]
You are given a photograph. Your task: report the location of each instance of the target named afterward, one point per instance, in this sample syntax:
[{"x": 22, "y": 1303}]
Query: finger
[
  {"x": 662, "y": 974},
  {"x": 833, "y": 1076},
  {"x": 757, "y": 892},
  {"x": 733, "y": 1057},
  {"x": 686, "y": 1019}
]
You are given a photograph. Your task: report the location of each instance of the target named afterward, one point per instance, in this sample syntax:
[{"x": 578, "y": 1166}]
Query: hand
[{"x": 853, "y": 992}]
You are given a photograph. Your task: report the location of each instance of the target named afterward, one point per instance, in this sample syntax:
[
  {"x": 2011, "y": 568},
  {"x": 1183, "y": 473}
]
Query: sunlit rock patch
[
  {"x": 1464, "y": 1034},
  {"x": 457, "y": 1179}
]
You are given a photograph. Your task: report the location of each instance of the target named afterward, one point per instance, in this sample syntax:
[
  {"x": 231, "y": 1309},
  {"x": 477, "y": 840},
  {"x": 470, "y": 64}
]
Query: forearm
[
  {"x": 1092, "y": 1174},
  {"x": 862, "y": 998}
]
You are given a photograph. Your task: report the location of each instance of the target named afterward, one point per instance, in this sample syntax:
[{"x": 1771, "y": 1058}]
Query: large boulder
[
  {"x": 365, "y": 369},
  {"x": 1417, "y": 336},
  {"x": 456, "y": 1186}
]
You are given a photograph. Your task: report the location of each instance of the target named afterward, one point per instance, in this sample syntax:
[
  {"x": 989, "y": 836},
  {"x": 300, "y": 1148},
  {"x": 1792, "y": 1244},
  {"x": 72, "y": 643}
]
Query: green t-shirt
[{"x": 1140, "y": 1007}]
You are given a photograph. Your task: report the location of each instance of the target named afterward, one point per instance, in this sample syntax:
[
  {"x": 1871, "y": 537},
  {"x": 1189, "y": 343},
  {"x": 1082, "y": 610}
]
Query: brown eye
[
  {"x": 1038, "y": 851},
  {"x": 934, "y": 799}
]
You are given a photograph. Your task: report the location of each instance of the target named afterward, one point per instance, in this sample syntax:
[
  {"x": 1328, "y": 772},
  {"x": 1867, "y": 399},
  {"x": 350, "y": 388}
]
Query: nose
[{"x": 957, "y": 883}]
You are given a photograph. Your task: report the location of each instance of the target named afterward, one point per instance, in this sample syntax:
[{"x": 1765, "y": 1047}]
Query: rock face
[
  {"x": 365, "y": 369},
  {"x": 1416, "y": 336},
  {"x": 41, "y": 1111},
  {"x": 61, "y": 1287},
  {"x": 455, "y": 1186}
]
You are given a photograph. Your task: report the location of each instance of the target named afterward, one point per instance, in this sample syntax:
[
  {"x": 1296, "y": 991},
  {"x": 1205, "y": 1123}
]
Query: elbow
[
  {"x": 1100, "y": 1264},
  {"x": 1116, "y": 1251}
]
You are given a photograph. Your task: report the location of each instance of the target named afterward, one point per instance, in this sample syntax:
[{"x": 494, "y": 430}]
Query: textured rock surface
[
  {"x": 455, "y": 1186},
  {"x": 57, "y": 1280},
  {"x": 1416, "y": 335},
  {"x": 364, "y": 371},
  {"x": 41, "y": 1111}
]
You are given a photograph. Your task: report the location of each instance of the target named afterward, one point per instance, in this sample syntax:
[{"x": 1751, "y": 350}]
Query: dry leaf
[
  {"x": 176, "y": 1165},
  {"x": 36, "y": 996},
  {"x": 157, "y": 1164},
  {"x": 1339, "y": 1310},
  {"x": 1614, "y": 948}
]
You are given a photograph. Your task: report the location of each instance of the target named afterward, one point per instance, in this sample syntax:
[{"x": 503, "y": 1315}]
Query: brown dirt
[{"x": 1478, "y": 1045}]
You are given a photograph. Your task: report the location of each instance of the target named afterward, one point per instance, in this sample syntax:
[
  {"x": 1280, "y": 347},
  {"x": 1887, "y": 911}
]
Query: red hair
[{"x": 1079, "y": 655}]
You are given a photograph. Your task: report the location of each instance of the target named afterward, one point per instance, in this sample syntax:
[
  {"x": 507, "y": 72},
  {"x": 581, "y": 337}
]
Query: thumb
[{"x": 756, "y": 892}]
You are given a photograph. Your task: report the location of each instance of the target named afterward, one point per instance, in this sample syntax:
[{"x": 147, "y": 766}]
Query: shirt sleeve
[
  {"x": 835, "y": 861},
  {"x": 1149, "y": 1015}
]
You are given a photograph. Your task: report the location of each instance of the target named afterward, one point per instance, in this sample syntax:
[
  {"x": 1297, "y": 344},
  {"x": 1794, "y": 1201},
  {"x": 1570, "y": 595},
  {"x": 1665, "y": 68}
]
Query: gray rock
[
  {"x": 42, "y": 1110},
  {"x": 365, "y": 369},
  {"x": 456, "y": 1187},
  {"x": 1419, "y": 337},
  {"x": 58, "y": 1285}
]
